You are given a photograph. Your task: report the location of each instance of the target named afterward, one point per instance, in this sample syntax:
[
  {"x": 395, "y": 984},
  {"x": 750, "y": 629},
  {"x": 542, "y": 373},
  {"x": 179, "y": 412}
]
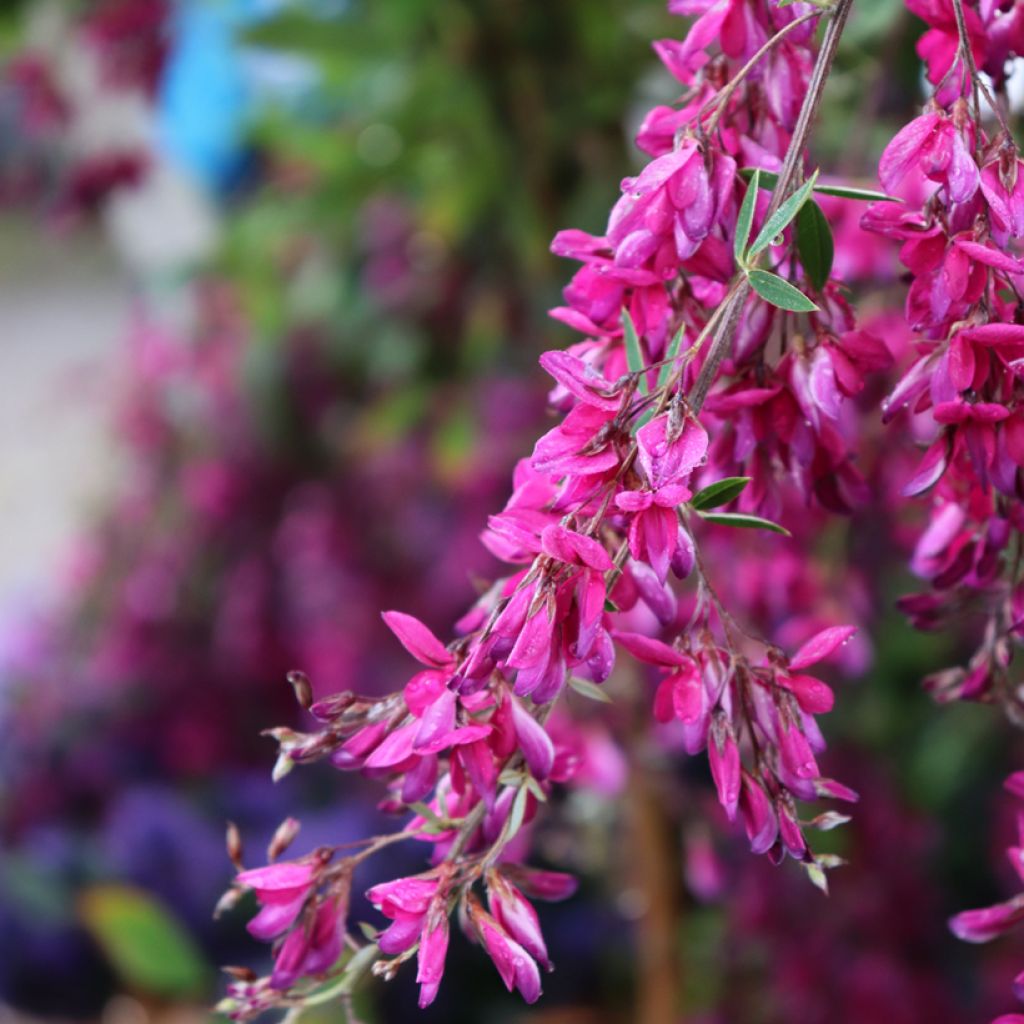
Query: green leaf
[
  {"x": 634, "y": 357},
  {"x": 746, "y": 217},
  {"x": 744, "y": 521},
  {"x": 865, "y": 195},
  {"x": 146, "y": 945},
  {"x": 817, "y": 876},
  {"x": 769, "y": 179},
  {"x": 721, "y": 492},
  {"x": 778, "y": 292},
  {"x": 587, "y": 689},
  {"x": 670, "y": 357},
  {"x": 782, "y": 217},
  {"x": 814, "y": 244},
  {"x": 428, "y": 814}
]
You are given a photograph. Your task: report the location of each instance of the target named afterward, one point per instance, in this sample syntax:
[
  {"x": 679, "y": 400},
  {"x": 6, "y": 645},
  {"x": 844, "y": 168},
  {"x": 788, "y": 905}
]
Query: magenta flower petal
[
  {"x": 534, "y": 741},
  {"x": 651, "y": 651},
  {"x": 417, "y": 639},
  {"x": 820, "y": 646},
  {"x": 989, "y": 922},
  {"x": 905, "y": 149}
]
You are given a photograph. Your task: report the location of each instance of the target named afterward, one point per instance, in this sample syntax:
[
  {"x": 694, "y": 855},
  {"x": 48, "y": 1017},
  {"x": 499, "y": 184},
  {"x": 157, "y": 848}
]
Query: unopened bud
[
  {"x": 828, "y": 821},
  {"x": 240, "y": 973},
  {"x": 385, "y": 969},
  {"x": 282, "y": 766},
  {"x": 303, "y": 689},
  {"x": 283, "y": 837},
  {"x": 333, "y": 706},
  {"x": 227, "y": 902},
  {"x": 234, "y": 846}
]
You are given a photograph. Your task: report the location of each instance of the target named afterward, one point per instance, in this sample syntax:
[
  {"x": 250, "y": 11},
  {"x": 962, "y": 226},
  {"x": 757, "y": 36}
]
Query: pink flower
[
  {"x": 821, "y": 646},
  {"x": 669, "y": 453},
  {"x": 430, "y": 959},
  {"x": 724, "y": 760},
  {"x": 515, "y": 914},
  {"x": 1002, "y": 185},
  {"x": 517, "y": 968},
  {"x": 581, "y": 445},
  {"x": 282, "y": 890},
  {"x": 988, "y": 923},
  {"x": 310, "y": 950},
  {"x": 404, "y": 902},
  {"x": 582, "y": 380},
  {"x": 934, "y": 146},
  {"x": 418, "y": 640},
  {"x": 938, "y": 47}
]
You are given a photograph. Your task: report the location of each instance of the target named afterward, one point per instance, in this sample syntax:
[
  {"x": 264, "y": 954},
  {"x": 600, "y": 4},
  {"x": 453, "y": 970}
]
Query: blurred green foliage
[
  {"x": 471, "y": 131},
  {"x": 145, "y": 943}
]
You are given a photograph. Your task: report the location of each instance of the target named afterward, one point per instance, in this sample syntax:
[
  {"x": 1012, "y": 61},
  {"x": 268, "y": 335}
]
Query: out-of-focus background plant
[{"x": 327, "y": 224}]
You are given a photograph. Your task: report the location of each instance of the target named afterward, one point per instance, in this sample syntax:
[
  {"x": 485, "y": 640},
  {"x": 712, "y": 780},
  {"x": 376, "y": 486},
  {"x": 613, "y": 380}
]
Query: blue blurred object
[
  {"x": 203, "y": 98},
  {"x": 214, "y": 83}
]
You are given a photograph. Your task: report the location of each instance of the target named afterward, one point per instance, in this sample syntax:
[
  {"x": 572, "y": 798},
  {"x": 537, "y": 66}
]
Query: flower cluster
[
  {"x": 959, "y": 228},
  {"x": 607, "y": 514},
  {"x": 959, "y": 396}
]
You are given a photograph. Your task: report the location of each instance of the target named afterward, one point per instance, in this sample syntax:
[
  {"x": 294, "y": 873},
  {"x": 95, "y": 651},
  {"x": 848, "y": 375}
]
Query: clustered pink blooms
[
  {"x": 604, "y": 516},
  {"x": 960, "y": 395}
]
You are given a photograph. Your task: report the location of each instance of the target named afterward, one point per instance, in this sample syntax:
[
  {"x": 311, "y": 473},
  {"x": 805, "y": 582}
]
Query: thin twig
[
  {"x": 978, "y": 86},
  {"x": 720, "y": 100},
  {"x": 966, "y": 54},
  {"x": 787, "y": 181}
]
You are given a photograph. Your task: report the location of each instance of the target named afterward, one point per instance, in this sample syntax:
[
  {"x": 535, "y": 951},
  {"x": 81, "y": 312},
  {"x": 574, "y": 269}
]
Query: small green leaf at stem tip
[
  {"x": 782, "y": 217},
  {"x": 426, "y": 812},
  {"x": 746, "y": 218},
  {"x": 769, "y": 179},
  {"x": 634, "y": 357},
  {"x": 585, "y": 688},
  {"x": 744, "y": 521},
  {"x": 671, "y": 353},
  {"x": 780, "y": 293},
  {"x": 817, "y": 877},
  {"x": 814, "y": 244},
  {"x": 721, "y": 492}
]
